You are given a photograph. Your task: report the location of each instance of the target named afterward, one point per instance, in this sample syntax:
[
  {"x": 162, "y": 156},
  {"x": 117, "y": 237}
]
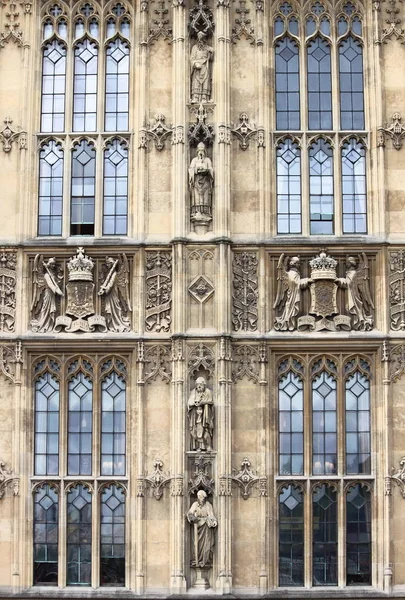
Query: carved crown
[
  {"x": 323, "y": 267},
  {"x": 80, "y": 267}
]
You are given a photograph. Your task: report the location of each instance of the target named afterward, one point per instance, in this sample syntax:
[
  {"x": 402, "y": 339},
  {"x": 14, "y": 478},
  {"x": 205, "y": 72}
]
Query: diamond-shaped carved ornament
[{"x": 201, "y": 289}]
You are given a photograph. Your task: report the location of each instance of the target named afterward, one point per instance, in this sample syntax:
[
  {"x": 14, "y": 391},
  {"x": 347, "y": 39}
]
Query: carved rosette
[
  {"x": 397, "y": 289},
  {"x": 246, "y": 361},
  {"x": 9, "y": 135},
  {"x": 157, "y": 479},
  {"x": 245, "y": 291},
  {"x": 158, "y": 291}
]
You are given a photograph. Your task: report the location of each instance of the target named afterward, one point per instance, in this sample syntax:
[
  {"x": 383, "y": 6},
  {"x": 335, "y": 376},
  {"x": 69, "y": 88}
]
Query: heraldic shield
[
  {"x": 80, "y": 298},
  {"x": 323, "y": 298}
]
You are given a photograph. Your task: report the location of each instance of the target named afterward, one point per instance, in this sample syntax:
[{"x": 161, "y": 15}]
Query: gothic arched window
[
  {"x": 79, "y": 443},
  {"x": 324, "y": 426},
  {"x": 319, "y": 87},
  {"x": 85, "y": 90}
]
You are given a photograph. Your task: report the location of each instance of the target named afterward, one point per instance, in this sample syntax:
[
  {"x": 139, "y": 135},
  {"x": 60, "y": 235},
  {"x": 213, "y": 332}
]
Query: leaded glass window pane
[
  {"x": 113, "y": 425},
  {"x": 291, "y": 425},
  {"x": 354, "y": 187},
  {"x": 83, "y": 189},
  {"x": 351, "y": 84},
  {"x": 46, "y": 425},
  {"x": 291, "y": 537},
  {"x": 53, "y": 87},
  {"x": 79, "y": 536},
  {"x": 324, "y": 536},
  {"x": 115, "y": 189},
  {"x": 319, "y": 80},
  {"x": 321, "y": 187},
  {"x": 80, "y": 426},
  {"x": 117, "y": 86},
  {"x": 112, "y": 537},
  {"x": 46, "y": 510},
  {"x": 50, "y": 189},
  {"x": 287, "y": 85},
  {"x": 85, "y": 86},
  {"x": 358, "y": 451},
  {"x": 324, "y": 425},
  {"x": 288, "y": 187},
  {"x": 358, "y": 536}
]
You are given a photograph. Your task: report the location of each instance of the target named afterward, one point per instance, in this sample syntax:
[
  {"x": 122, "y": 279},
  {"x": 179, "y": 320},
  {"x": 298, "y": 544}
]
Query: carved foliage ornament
[
  {"x": 158, "y": 291},
  {"x": 10, "y": 357},
  {"x": 201, "y": 356},
  {"x": 9, "y": 135},
  {"x": 157, "y": 132},
  {"x": 157, "y": 479},
  {"x": 246, "y": 360},
  {"x": 246, "y": 478},
  {"x": 243, "y": 26},
  {"x": 245, "y": 291},
  {"x": 201, "y": 479},
  {"x": 200, "y": 131},
  {"x": 12, "y": 25},
  {"x": 8, "y": 480},
  {"x": 394, "y": 130},
  {"x": 397, "y": 289},
  {"x": 157, "y": 364},
  {"x": 394, "y": 29},
  {"x": 396, "y": 362},
  {"x": 201, "y": 19},
  {"x": 8, "y": 275},
  {"x": 160, "y": 23},
  {"x": 244, "y": 131},
  {"x": 397, "y": 476}
]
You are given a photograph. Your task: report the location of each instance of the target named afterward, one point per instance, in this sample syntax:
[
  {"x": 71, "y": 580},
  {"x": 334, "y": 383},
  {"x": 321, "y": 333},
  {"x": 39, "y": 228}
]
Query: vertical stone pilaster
[
  {"x": 221, "y": 97},
  {"x": 264, "y": 470},
  {"x": 179, "y": 96},
  {"x": 138, "y": 524},
  {"x": 177, "y": 461},
  {"x": 224, "y": 467},
  {"x": 141, "y": 187}
]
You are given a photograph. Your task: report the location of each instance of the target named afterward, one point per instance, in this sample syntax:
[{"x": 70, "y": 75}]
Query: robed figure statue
[
  {"x": 201, "y": 179},
  {"x": 200, "y": 59},
  {"x": 203, "y": 521},
  {"x": 200, "y": 408}
]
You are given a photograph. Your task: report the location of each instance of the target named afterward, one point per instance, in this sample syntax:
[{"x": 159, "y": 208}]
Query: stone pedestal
[{"x": 201, "y": 579}]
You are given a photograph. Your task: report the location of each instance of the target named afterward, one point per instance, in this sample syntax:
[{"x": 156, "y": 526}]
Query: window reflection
[
  {"x": 288, "y": 187},
  {"x": 291, "y": 537},
  {"x": 321, "y": 187}
]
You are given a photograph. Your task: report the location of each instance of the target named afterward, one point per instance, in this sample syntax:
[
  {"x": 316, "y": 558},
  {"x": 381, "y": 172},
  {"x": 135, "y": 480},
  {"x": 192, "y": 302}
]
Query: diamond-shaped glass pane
[
  {"x": 358, "y": 501},
  {"x": 324, "y": 389},
  {"x": 321, "y": 156},
  {"x": 289, "y": 156},
  {"x": 117, "y": 54},
  {"x": 51, "y": 158},
  {"x": 287, "y": 54},
  {"x": 54, "y": 56},
  {"x": 46, "y": 502},
  {"x": 79, "y": 502},
  {"x": 113, "y": 390},
  {"x": 325, "y": 502},
  {"x": 83, "y": 158},
  {"x": 357, "y": 389},
  {"x": 112, "y": 502},
  {"x": 115, "y": 158},
  {"x": 291, "y": 389},
  {"x": 85, "y": 55},
  {"x": 353, "y": 156},
  {"x": 291, "y": 502},
  {"x": 350, "y": 54},
  {"x": 319, "y": 54}
]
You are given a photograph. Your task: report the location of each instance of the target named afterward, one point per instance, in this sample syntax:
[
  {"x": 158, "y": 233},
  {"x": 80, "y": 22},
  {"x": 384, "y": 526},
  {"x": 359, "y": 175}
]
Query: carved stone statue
[
  {"x": 115, "y": 291},
  {"x": 201, "y": 179},
  {"x": 200, "y": 409},
  {"x": 201, "y": 516},
  {"x": 46, "y": 281},
  {"x": 200, "y": 59},
  {"x": 289, "y": 289},
  {"x": 358, "y": 300}
]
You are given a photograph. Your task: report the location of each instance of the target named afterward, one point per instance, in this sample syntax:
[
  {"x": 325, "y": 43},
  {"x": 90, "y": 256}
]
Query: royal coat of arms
[{"x": 80, "y": 289}]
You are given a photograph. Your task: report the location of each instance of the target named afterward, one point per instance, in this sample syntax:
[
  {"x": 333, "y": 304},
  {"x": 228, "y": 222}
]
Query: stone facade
[{"x": 202, "y": 308}]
